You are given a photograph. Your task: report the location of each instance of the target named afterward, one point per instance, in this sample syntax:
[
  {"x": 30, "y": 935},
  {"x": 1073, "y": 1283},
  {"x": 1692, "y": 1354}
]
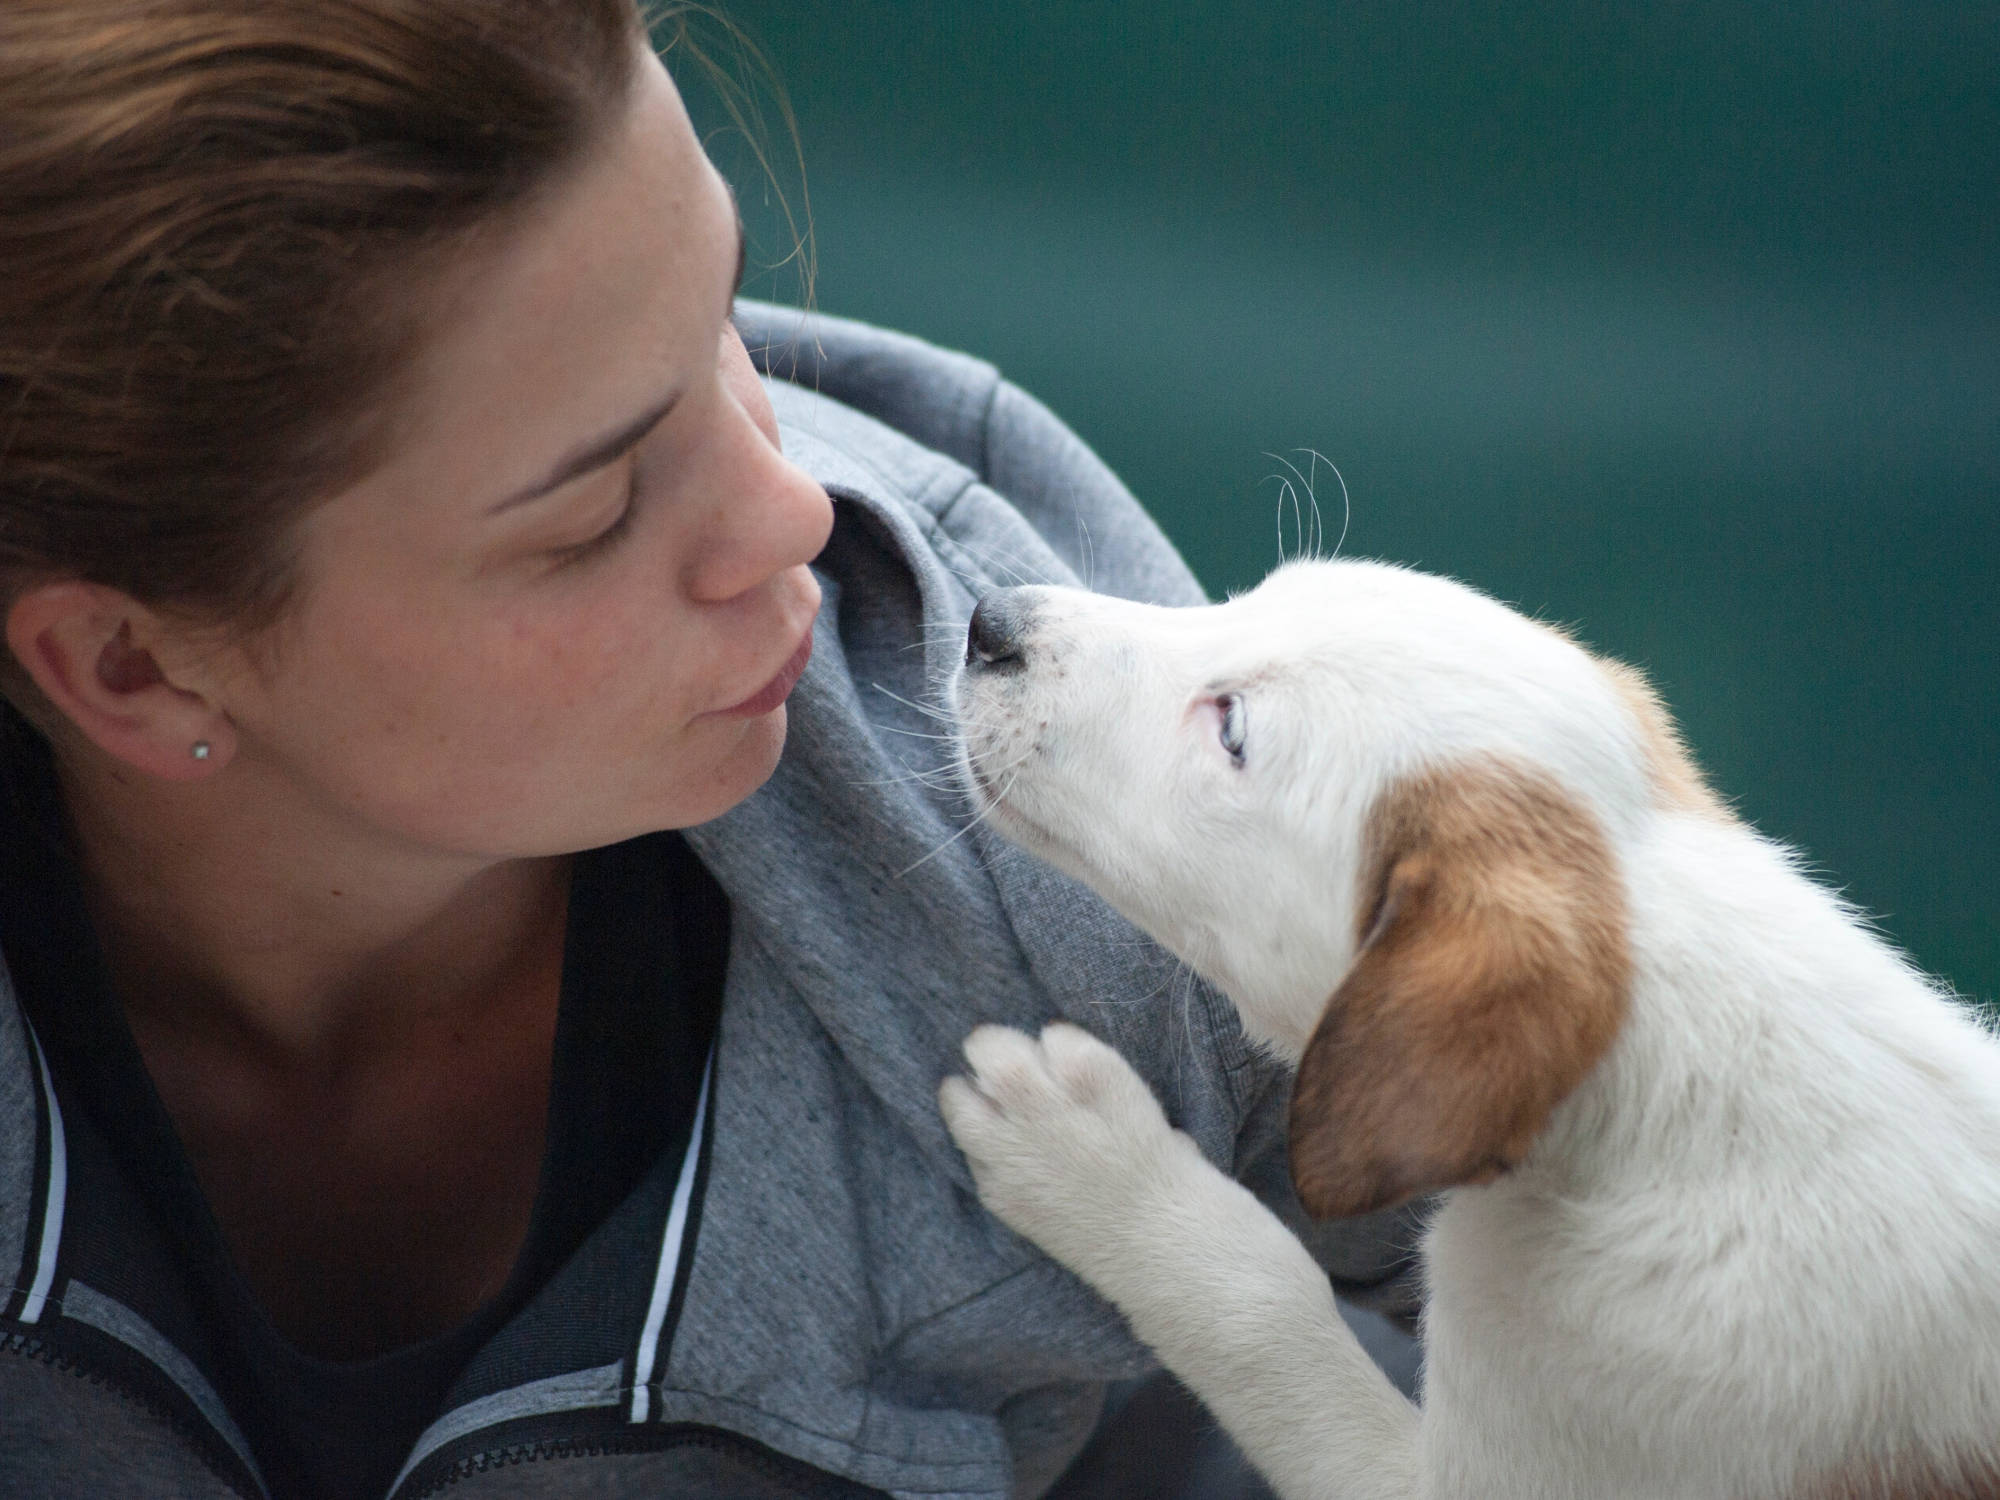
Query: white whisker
[
  {"x": 941, "y": 779},
  {"x": 971, "y": 824},
  {"x": 923, "y": 708},
  {"x": 1306, "y": 549},
  {"x": 1005, "y": 563},
  {"x": 1346, "y": 503}
]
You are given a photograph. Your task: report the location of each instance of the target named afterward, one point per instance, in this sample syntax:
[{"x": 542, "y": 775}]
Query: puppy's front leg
[{"x": 1070, "y": 1149}]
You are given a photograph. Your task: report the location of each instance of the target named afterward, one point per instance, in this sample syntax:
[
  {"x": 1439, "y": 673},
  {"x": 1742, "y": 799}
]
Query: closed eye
[{"x": 581, "y": 552}]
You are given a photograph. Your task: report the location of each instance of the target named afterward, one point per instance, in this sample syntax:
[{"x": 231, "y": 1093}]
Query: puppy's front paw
[{"x": 1067, "y": 1144}]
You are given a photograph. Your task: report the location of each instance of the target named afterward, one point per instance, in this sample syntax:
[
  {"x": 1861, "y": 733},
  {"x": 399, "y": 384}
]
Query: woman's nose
[{"x": 771, "y": 515}]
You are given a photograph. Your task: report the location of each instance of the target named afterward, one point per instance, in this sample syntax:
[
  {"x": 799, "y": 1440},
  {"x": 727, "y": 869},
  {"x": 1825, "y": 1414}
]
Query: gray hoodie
[{"x": 839, "y": 1301}]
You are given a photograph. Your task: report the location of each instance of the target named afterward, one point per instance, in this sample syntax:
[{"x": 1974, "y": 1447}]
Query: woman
[{"x": 396, "y": 547}]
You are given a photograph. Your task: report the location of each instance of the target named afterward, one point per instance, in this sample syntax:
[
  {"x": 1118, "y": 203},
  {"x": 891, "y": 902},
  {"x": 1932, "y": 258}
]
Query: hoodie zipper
[
  {"x": 199, "y": 1437},
  {"x": 783, "y": 1472}
]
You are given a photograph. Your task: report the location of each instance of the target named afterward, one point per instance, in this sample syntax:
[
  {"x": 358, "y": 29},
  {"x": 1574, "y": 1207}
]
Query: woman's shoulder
[
  {"x": 936, "y": 397},
  {"x": 979, "y": 460}
]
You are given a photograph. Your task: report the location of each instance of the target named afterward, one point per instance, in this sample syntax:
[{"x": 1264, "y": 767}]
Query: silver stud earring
[{"x": 200, "y": 750}]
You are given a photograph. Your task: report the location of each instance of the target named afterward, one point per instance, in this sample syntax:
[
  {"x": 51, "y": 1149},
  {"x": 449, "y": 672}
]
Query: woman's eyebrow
[
  {"x": 616, "y": 444},
  {"x": 591, "y": 456}
]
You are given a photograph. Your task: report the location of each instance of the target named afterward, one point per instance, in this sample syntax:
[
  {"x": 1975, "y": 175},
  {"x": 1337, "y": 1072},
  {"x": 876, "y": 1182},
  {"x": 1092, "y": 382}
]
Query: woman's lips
[{"x": 774, "y": 692}]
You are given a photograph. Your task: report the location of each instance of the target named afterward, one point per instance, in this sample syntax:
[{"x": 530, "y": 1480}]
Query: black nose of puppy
[{"x": 999, "y": 624}]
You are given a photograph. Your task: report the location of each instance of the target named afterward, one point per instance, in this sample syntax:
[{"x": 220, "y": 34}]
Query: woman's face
[{"x": 566, "y": 609}]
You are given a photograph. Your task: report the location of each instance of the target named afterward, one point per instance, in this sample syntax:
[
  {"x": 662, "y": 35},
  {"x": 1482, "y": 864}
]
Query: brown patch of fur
[
  {"x": 1675, "y": 775},
  {"x": 1975, "y": 1479},
  {"x": 1676, "y": 778},
  {"x": 1493, "y": 973}
]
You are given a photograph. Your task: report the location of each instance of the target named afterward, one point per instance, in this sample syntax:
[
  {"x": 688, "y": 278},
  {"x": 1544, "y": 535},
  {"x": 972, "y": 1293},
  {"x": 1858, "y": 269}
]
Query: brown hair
[{"x": 214, "y": 218}]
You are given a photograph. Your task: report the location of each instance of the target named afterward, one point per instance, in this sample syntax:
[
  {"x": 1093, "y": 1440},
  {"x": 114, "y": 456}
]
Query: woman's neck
[
  {"x": 354, "y": 1045},
  {"x": 242, "y": 919}
]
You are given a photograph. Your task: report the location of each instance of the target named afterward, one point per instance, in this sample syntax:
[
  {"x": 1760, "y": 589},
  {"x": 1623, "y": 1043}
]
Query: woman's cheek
[{"x": 566, "y": 657}]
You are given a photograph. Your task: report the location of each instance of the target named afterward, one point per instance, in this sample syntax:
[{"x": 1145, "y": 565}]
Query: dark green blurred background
[{"x": 1679, "y": 323}]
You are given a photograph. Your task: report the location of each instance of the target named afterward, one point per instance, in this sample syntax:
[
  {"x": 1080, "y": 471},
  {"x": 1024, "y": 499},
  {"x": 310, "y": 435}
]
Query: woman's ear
[
  {"x": 1492, "y": 974},
  {"x": 95, "y": 654}
]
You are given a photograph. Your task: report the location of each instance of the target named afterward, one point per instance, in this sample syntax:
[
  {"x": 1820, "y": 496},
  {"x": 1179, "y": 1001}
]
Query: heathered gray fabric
[
  {"x": 577, "y": 1391},
  {"x": 849, "y": 1298},
  {"x": 689, "y": 1470},
  {"x": 108, "y": 1315},
  {"x": 64, "y": 1436},
  {"x": 958, "y": 406}
]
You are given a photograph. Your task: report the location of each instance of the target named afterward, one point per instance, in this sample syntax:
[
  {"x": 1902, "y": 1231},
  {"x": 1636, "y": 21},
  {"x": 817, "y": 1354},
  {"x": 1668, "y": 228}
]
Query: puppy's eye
[{"x": 1235, "y": 724}]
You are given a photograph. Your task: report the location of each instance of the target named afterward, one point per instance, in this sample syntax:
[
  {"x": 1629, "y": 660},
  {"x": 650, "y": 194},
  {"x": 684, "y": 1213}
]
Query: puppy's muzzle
[{"x": 996, "y": 640}]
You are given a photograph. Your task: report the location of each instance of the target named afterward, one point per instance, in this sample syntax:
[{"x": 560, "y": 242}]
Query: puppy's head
[{"x": 1379, "y": 810}]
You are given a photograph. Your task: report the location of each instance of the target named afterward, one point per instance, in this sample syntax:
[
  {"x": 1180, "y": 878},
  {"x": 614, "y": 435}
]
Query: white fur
[{"x": 1758, "y": 1248}]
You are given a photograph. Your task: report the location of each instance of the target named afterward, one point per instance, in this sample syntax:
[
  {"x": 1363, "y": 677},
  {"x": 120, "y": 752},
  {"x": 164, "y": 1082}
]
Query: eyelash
[{"x": 605, "y": 540}]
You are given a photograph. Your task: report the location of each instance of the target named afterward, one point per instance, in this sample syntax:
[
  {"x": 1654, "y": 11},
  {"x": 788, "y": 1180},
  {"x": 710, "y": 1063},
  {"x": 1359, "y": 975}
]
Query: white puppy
[{"x": 1723, "y": 1172}]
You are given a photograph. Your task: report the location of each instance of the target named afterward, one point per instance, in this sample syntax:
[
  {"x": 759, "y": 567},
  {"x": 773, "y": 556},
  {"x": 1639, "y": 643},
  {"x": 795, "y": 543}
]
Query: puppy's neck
[{"x": 1765, "y": 1019}]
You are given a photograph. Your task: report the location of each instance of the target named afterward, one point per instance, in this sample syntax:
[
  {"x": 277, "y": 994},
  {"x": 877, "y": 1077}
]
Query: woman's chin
[{"x": 741, "y": 767}]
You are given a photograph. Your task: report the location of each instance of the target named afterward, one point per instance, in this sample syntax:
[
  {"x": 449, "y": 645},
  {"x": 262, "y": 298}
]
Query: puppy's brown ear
[{"x": 1492, "y": 974}]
